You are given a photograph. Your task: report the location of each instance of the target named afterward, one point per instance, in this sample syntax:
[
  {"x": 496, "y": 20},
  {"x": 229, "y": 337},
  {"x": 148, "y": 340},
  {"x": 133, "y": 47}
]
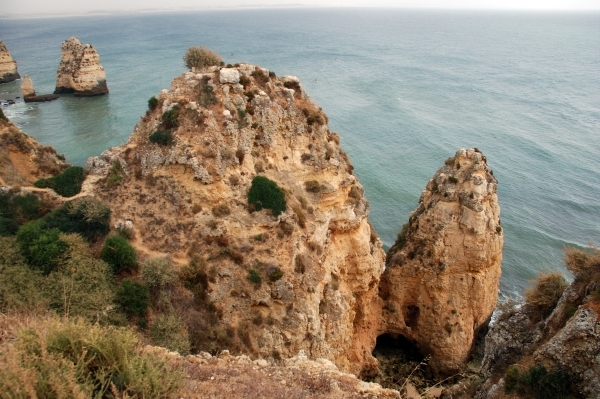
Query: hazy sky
[{"x": 12, "y": 7}]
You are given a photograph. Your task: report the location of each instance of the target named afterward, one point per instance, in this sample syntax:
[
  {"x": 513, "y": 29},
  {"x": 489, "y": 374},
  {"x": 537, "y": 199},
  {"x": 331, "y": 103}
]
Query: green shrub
[
  {"x": 168, "y": 331},
  {"x": 207, "y": 95},
  {"x": 2, "y": 116},
  {"x": 221, "y": 210},
  {"x": 115, "y": 174},
  {"x": 544, "y": 295},
  {"x": 81, "y": 286},
  {"x": 133, "y": 298},
  {"x": 161, "y": 137},
  {"x": 169, "y": 118},
  {"x": 158, "y": 273},
  {"x": 272, "y": 74},
  {"x": 67, "y": 184},
  {"x": 265, "y": 193},
  {"x": 152, "y": 103},
  {"x": 19, "y": 284},
  {"x": 119, "y": 254},
  {"x": 200, "y": 58},
  {"x": 254, "y": 277},
  {"x": 87, "y": 216},
  {"x": 21, "y": 208},
  {"x": 73, "y": 359},
  {"x": 274, "y": 273},
  {"x": 8, "y": 227},
  {"x": 538, "y": 382},
  {"x": 42, "y": 248}
]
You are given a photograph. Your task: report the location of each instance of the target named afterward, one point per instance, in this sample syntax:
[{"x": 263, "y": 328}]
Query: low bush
[
  {"x": 168, "y": 331},
  {"x": 133, "y": 298},
  {"x": 265, "y": 193},
  {"x": 119, "y": 254},
  {"x": 538, "y": 382},
  {"x": 200, "y": 57},
  {"x": 221, "y": 210},
  {"x": 545, "y": 293},
  {"x": 87, "y": 216},
  {"x": 158, "y": 273},
  {"x": 170, "y": 118},
  {"x": 274, "y": 273},
  {"x": 254, "y": 277},
  {"x": 67, "y": 184},
  {"x": 207, "y": 95},
  {"x": 161, "y": 137},
  {"x": 585, "y": 265},
  {"x": 42, "y": 248},
  {"x": 8, "y": 227},
  {"x": 2, "y": 116},
  {"x": 152, "y": 103},
  {"x": 21, "y": 208},
  {"x": 73, "y": 359},
  {"x": 312, "y": 186}
]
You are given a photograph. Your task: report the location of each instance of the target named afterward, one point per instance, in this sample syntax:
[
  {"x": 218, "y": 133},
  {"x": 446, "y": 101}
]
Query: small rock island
[
  {"x": 80, "y": 71},
  {"x": 29, "y": 94},
  {"x": 8, "y": 66}
]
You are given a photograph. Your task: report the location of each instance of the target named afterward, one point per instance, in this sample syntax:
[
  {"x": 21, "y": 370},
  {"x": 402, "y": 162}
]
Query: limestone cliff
[
  {"x": 320, "y": 261},
  {"x": 80, "y": 71},
  {"x": 8, "y": 66},
  {"x": 441, "y": 281},
  {"x": 23, "y": 160}
]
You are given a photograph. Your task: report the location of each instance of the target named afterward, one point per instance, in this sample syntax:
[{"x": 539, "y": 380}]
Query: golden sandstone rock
[
  {"x": 8, "y": 66},
  {"x": 80, "y": 71}
]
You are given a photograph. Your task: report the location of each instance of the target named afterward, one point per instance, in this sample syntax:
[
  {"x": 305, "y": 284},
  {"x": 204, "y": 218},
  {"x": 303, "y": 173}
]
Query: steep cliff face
[
  {"x": 8, "y": 66},
  {"x": 23, "y": 160},
  {"x": 80, "y": 71},
  {"x": 319, "y": 261},
  {"x": 441, "y": 281}
]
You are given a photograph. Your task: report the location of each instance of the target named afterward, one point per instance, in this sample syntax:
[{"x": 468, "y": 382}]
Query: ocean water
[{"x": 404, "y": 88}]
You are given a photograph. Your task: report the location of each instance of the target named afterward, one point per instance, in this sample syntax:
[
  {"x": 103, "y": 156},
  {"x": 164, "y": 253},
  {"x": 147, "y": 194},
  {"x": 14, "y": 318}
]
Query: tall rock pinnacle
[
  {"x": 441, "y": 281},
  {"x": 80, "y": 71}
]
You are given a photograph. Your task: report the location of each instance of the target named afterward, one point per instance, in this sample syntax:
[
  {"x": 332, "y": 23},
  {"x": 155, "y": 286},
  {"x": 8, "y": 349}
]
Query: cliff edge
[
  {"x": 306, "y": 279},
  {"x": 79, "y": 71}
]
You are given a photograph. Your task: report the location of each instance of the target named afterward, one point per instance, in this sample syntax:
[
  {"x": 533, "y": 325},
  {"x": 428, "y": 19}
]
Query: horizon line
[{"x": 275, "y": 6}]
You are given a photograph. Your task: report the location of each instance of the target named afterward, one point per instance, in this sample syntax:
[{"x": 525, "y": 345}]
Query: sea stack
[
  {"x": 441, "y": 282},
  {"x": 29, "y": 95},
  {"x": 80, "y": 71},
  {"x": 8, "y": 66}
]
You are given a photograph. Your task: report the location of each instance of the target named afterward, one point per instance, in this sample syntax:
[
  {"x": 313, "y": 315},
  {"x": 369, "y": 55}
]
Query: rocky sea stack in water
[
  {"x": 29, "y": 94},
  {"x": 80, "y": 71},
  {"x": 8, "y": 66},
  {"x": 441, "y": 281}
]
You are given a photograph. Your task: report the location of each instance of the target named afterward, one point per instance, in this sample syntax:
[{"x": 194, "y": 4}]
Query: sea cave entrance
[{"x": 398, "y": 359}]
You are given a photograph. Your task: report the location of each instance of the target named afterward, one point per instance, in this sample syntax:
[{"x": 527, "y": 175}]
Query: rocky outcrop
[
  {"x": 29, "y": 95},
  {"x": 8, "y": 66},
  {"x": 319, "y": 262},
  {"x": 441, "y": 282},
  {"x": 80, "y": 71}
]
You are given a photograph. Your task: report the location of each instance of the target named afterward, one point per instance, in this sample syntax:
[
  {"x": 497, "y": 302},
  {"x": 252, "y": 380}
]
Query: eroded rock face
[
  {"x": 27, "y": 87},
  {"x": 80, "y": 71},
  {"x": 190, "y": 198},
  {"x": 8, "y": 66},
  {"x": 441, "y": 281}
]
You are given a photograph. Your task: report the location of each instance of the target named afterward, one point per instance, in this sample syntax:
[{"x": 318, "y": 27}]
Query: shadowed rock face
[
  {"x": 441, "y": 281},
  {"x": 80, "y": 71},
  {"x": 8, "y": 67}
]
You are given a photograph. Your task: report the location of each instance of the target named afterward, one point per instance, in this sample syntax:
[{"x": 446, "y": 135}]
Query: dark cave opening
[{"x": 398, "y": 358}]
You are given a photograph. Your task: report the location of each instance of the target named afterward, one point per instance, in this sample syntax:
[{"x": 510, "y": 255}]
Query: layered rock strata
[
  {"x": 29, "y": 95},
  {"x": 80, "y": 71},
  {"x": 441, "y": 281},
  {"x": 8, "y": 66},
  {"x": 320, "y": 261}
]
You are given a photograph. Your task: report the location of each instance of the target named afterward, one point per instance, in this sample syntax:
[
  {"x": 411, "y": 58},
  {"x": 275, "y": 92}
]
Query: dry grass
[{"x": 545, "y": 293}]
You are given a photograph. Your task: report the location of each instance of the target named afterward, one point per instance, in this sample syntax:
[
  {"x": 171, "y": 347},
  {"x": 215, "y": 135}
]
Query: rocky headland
[
  {"x": 29, "y": 94},
  {"x": 80, "y": 71},
  {"x": 8, "y": 66}
]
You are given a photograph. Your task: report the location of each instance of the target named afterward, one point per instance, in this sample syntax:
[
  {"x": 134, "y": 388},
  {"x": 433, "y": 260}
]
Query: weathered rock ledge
[
  {"x": 29, "y": 94},
  {"x": 80, "y": 71},
  {"x": 8, "y": 66}
]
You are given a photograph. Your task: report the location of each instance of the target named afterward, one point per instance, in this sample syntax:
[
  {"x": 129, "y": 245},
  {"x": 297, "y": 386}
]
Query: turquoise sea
[{"x": 404, "y": 88}]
